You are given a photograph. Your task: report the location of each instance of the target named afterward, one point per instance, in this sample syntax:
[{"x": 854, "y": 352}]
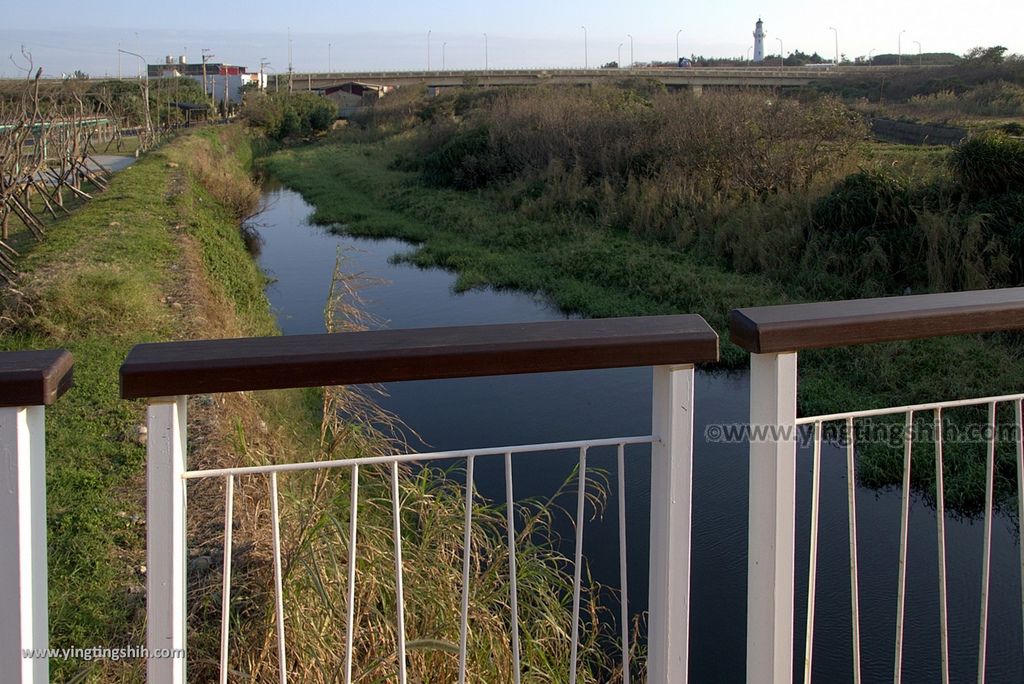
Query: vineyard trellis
[{"x": 48, "y": 133}]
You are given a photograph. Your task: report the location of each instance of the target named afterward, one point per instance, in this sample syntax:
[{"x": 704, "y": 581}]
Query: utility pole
[
  {"x": 328, "y": 58},
  {"x": 487, "y": 59},
  {"x": 428, "y": 50},
  {"x": 289, "y": 60},
  {"x": 263, "y": 64},
  {"x": 207, "y": 55},
  {"x": 118, "y": 61},
  {"x": 444, "y": 58}
]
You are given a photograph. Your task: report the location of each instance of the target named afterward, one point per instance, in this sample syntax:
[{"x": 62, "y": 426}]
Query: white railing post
[
  {"x": 165, "y": 540},
  {"x": 771, "y": 545},
  {"x": 671, "y": 480},
  {"x": 23, "y": 608}
]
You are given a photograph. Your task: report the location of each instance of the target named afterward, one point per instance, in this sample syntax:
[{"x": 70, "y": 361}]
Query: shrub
[
  {"x": 284, "y": 115},
  {"x": 866, "y": 200},
  {"x": 990, "y": 164}
]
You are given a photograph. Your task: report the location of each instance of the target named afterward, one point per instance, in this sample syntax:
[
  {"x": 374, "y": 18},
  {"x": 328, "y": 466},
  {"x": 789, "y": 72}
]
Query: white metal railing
[
  {"x": 29, "y": 381},
  {"x": 167, "y": 373},
  {"x": 469, "y": 458},
  {"x": 775, "y": 335},
  {"x": 671, "y": 475},
  {"x": 936, "y": 408}
]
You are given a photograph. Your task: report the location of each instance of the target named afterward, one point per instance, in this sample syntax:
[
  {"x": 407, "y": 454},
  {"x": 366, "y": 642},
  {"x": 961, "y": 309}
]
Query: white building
[{"x": 220, "y": 80}]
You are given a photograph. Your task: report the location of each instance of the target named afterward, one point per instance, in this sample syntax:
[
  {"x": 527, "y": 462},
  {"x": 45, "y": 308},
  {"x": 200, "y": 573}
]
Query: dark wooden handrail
[
  {"x": 792, "y": 327},
  {"x": 34, "y": 378},
  {"x": 204, "y": 366}
]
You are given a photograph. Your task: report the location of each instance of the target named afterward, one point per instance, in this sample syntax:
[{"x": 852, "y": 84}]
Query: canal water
[{"x": 497, "y": 411}]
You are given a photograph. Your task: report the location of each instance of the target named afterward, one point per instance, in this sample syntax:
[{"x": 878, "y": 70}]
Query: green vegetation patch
[
  {"x": 97, "y": 286},
  {"x": 899, "y": 222}
]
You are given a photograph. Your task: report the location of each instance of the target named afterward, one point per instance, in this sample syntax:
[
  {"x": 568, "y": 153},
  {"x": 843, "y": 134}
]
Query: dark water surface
[{"x": 486, "y": 412}]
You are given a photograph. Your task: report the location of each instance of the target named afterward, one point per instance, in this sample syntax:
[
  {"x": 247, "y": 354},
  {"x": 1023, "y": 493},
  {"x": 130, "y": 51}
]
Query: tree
[{"x": 983, "y": 55}]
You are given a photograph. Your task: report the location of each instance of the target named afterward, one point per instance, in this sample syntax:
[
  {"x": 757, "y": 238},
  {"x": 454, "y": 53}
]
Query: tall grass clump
[
  {"x": 990, "y": 164},
  {"x": 315, "y": 522},
  {"x": 639, "y": 159}
]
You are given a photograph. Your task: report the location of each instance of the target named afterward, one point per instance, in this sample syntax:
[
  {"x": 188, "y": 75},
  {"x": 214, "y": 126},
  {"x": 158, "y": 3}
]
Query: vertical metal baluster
[
  {"x": 278, "y": 590},
  {"x": 1019, "y": 409},
  {"x": 901, "y": 590},
  {"x": 851, "y": 491},
  {"x": 578, "y": 570},
  {"x": 940, "y": 524},
  {"x": 511, "y": 524},
  {"x": 624, "y": 607},
  {"x": 399, "y": 591},
  {"x": 812, "y": 571},
  {"x": 986, "y": 558},
  {"x": 353, "y": 508},
  {"x": 225, "y": 594},
  {"x": 466, "y": 548}
]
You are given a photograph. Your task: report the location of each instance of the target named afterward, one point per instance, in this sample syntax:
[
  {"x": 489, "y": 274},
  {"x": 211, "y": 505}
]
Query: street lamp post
[
  {"x": 632, "y": 61},
  {"x": 677, "y": 45},
  {"x": 145, "y": 96},
  {"x": 428, "y": 50},
  {"x": 782, "y": 58},
  {"x": 487, "y": 56},
  {"x": 444, "y": 59},
  {"x": 920, "y": 59},
  {"x": 899, "y": 48},
  {"x": 586, "y": 57},
  {"x": 836, "y": 31},
  {"x": 871, "y": 58},
  {"x": 328, "y": 58},
  {"x": 619, "y": 62},
  {"x": 748, "y": 52}
]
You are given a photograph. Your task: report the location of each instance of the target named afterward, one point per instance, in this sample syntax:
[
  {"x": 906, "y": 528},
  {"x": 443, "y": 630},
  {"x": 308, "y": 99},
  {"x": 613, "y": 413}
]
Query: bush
[
  {"x": 465, "y": 161},
  {"x": 284, "y": 115},
  {"x": 990, "y": 164},
  {"x": 866, "y": 201}
]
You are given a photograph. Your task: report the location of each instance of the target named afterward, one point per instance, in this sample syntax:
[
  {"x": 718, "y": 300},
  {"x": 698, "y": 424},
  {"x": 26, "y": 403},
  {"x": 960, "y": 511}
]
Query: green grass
[
  {"x": 95, "y": 287},
  {"x": 603, "y": 272},
  {"x": 595, "y": 272}
]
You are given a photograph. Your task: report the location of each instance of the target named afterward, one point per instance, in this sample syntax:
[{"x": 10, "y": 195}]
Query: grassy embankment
[
  {"x": 160, "y": 256},
  {"x": 156, "y": 257},
  {"x": 628, "y": 203}
]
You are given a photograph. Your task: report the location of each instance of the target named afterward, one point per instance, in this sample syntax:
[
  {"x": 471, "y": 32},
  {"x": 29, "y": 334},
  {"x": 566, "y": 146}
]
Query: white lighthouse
[{"x": 759, "y": 35}]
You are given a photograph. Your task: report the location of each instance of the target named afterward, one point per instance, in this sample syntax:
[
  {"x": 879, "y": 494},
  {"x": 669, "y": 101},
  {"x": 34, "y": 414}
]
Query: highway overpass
[{"x": 692, "y": 77}]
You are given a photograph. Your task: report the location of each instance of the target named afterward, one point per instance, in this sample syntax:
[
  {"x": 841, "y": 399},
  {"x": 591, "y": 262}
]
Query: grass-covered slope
[{"x": 156, "y": 257}]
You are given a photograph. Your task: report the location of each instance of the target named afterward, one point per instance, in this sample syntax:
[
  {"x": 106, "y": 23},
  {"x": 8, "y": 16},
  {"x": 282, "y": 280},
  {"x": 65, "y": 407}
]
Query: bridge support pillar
[{"x": 697, "y": 90}]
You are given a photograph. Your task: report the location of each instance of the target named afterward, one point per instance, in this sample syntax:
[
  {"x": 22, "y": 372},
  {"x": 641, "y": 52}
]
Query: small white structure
[{"x": 759, "y": 35}]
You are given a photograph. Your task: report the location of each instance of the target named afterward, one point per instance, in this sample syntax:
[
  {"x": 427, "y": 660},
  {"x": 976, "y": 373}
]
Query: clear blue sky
[{"x": 393, "y": 35}]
